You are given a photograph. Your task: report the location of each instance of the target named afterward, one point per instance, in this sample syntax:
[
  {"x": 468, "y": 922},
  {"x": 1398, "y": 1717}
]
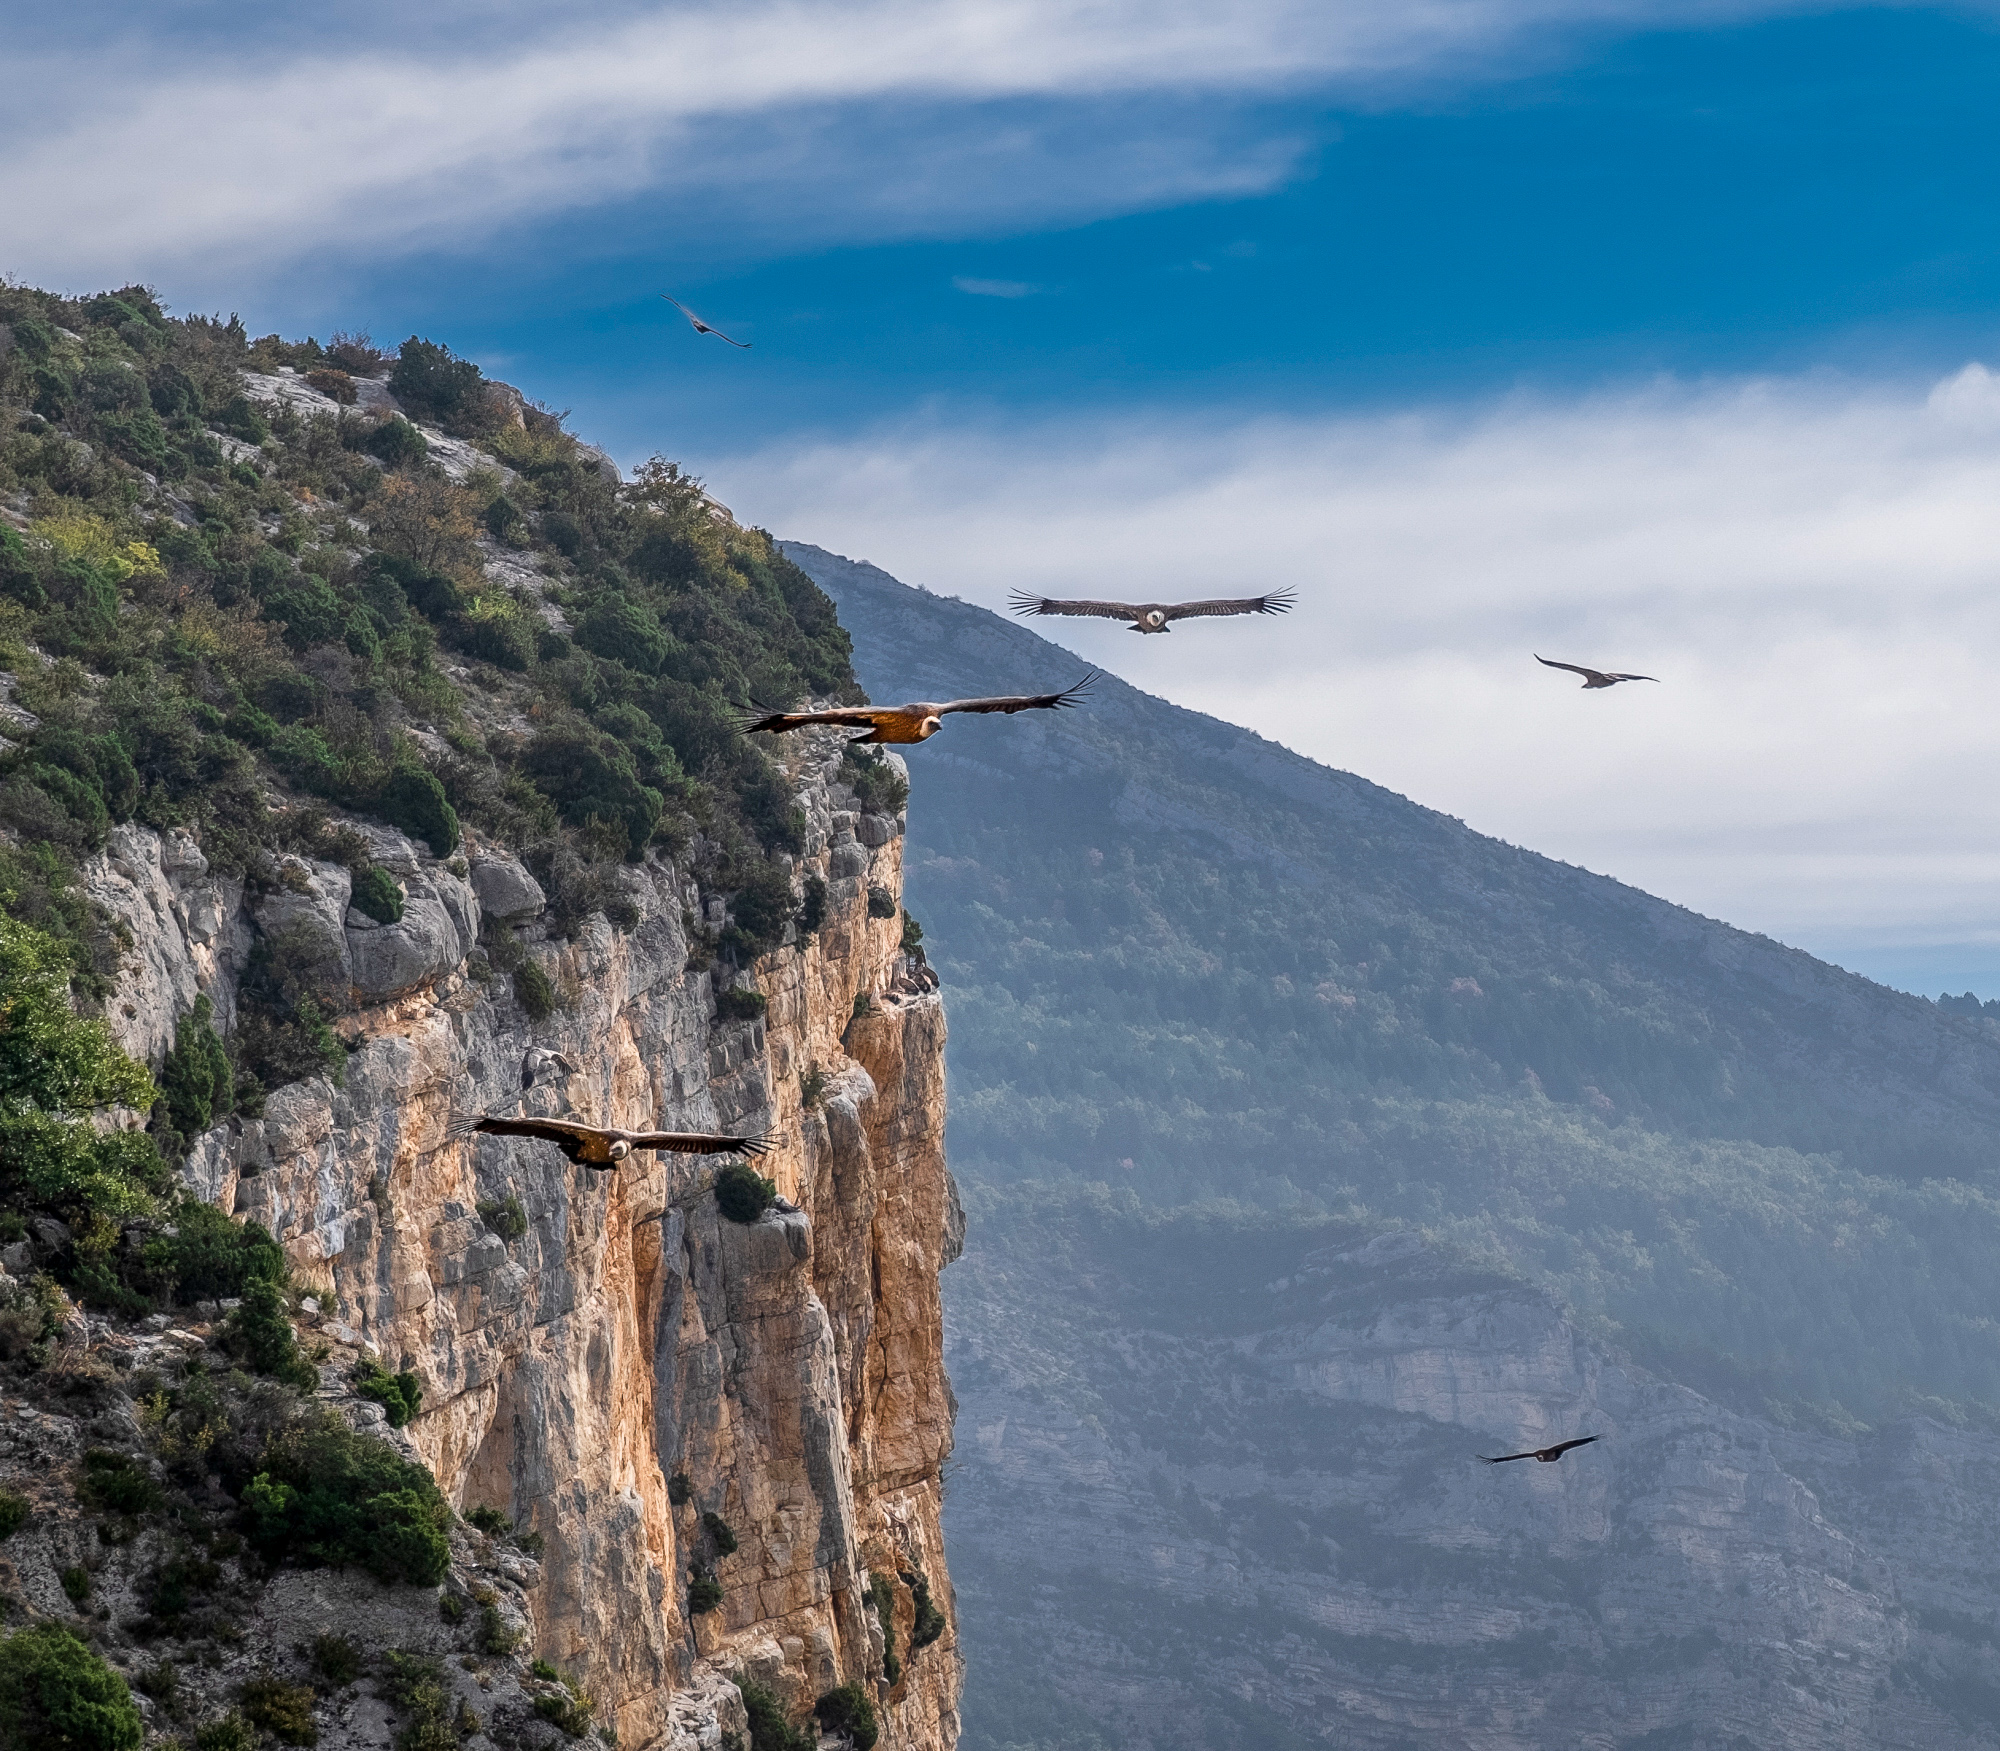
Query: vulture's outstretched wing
[
  {"x": 1023, "y": 603},
  {"x": 1502, "y": 1458},
  {"x": 1574, "y": 669},
  {"x": 1024, "y": 701},
  {"x": 702, "y": 1143},
  {"x": 866, "y": 717},
  {"x": 1275, "y": 603},
  {"x": 1561, "y": 1448},
  {"x": 701, "y": 327},
  {"x": 566, "y": 1131},
  {"x": 1616, "y": 676}
]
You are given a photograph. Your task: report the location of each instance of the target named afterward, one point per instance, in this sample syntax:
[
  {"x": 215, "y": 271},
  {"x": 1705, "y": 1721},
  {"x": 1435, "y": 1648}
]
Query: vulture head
[
  {"x": 620, "y": 1149},
  {"x": 929, "y": 727},
  {"x": 1153, "y": 620}
]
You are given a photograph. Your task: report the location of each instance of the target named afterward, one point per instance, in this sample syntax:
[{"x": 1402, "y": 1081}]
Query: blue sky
[{"x": 1057, "y": 293}]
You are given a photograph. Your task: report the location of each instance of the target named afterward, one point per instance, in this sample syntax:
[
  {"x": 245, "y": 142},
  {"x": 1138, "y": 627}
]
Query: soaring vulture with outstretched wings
[
  {"x": 600, "y": 1146},
  {"x": 1155, "y": 616},
  {"x": 1593, "y": 677},
  {"x": 701, "y": 327},
  {"x": 918, "y": 721},
  {"x": 1547, "y": 1455}
]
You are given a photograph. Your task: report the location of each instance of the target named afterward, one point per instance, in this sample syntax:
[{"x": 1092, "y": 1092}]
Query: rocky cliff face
[
  {"x": 1263, "y": 1521},
  {"x": 790, "y": 1370}
]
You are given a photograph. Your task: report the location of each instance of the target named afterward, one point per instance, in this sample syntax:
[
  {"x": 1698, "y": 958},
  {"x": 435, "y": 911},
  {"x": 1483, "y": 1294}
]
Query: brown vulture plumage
[
  {"x": 1157, "y": 616},
  {"x": 601, "y": 1146},
  {"x": 917, "y": 721}
]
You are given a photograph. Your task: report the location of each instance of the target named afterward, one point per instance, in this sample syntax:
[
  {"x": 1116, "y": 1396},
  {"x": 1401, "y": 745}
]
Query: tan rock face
[{"x": 792, "y": 1370}]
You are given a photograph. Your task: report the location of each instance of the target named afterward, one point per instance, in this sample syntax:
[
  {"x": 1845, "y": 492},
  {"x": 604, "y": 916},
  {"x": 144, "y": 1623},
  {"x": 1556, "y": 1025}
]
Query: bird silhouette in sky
[
  {"x": 1594, "y": 677},
  {"x": 1547, "y": 1455},
  {"x": 1157, "y": 616},
  {"x": 701, "y": 327},
  {"x": 918, "y": 721}
]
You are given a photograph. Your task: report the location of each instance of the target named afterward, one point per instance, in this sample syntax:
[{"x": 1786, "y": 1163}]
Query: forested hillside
[
  {"x": 238, "y": 585},
  {"x": 1186, "y": 962}
]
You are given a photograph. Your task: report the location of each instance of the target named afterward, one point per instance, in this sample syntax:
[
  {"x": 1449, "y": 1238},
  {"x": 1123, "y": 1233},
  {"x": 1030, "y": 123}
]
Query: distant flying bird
[
  {"x": 600, "y": 1146},
  {"x": 916, "y": 722},
  {"x": 1594, "y": 677},
  {"x": 1154, "y": 616},
  {"x": 1547, "y": 1455},
  {"x": 539, "y": 1061},
  {"x": 701, "y": 327}
]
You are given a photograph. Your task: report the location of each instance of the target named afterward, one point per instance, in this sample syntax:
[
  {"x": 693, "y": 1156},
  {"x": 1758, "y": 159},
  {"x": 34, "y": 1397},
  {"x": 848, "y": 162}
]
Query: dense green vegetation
[
  {"x": 207, "y": 598},
  {"x": 57, "y": 1694},
  {"x": 1186, "y": 965}
]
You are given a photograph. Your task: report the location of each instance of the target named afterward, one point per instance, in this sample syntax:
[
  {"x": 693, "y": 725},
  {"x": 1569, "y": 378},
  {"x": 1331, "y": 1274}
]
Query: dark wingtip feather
[
  {"x": 1279, "y": 601},
  {"x": 1024, "y": 602},
  {"x": 1081, "y": 690},
  {"x": 762, "y": 1145}
]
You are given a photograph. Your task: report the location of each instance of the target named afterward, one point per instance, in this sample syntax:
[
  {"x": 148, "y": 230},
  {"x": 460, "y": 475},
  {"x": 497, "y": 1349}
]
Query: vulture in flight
[
  {"x": 701, "y": 327},
  {"x": 1593, "y": 677},
  {"x": 541, "y": 1059},
  {"x": 600, "y": 1146},
  {"x": 1155, "y": 616},
  {"x": 915, "y": 722},
  {"x": 1547, "y": 1455}
]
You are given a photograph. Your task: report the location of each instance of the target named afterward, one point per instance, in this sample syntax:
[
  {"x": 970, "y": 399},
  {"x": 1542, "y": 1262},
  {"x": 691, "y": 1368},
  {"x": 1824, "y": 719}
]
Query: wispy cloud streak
[
  {"x": 118, "y": 156},
  {"x": 1809, "y": 565}
]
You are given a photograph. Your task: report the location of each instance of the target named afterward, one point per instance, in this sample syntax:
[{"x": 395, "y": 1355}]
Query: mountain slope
[{"x": 1188, "y": 962}]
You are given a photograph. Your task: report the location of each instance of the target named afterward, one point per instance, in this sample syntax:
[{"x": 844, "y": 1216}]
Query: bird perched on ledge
[
  {"x": 601, "y": 1146},
  {"x": 1155, "y": 616},
  {"x": 1547, "y": 1455},
  {"x": 1593, "y": 677},
  {"x": 915, "y": 722}
]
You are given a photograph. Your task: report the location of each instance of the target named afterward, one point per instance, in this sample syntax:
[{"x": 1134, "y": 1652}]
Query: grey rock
[
  {"x": 876, "y": 830},
  {"x": 390, "y": 959},
  {"x": 506, "y": 890},
  {"x": 18, "y": 1258},
  {"x": 847, "y": 861}
]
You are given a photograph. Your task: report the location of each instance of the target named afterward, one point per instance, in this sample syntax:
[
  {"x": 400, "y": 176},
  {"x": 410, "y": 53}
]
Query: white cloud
[
  {"x": 1809, "y": 565},
  {"x": 119, "y": 160},
  {"x": 994, "y": 288}
]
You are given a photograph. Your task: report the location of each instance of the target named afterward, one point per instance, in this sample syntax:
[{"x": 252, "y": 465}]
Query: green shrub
[
  {"x": 488, "y": 1520},
  {"x": 913, "y": 935},
  {"x": 530, "y": 1543},
  {"x": 400, "y": 1395},
  {"x": 930, "y": 1622},
  {"x": 57, "y": 1695},
  {"x": 850, "y": 1710},
  {"x": 507, "y": 1216},
  {"x": 231, "y": 1732},
  {"x": 210, "y": 1256},
  {"x": 414, "y": 800},
  {"x": 878, "y": 787},
  {"x": 283, "y": 1710},
  {"x": 704, "y": 1590},
  {"x": 720, "y": 1530},
  {"x": 378, "y": 894},
  {"x": 680, "y": 1489},
  {"x": 882, "y": 1597},
  {"x": 881, "y": 903},
  {"x": 736, "y": 1004},
  {"x": 812, "y": 908},
  {"x": 769, "y": 1730},
  {"x": 13, "y": 1513},
  {"x": 451, "y": 1607},
  {"x": 76, "y": 1583},
  {"x": 336, "y": 1659},
  {"x": 534, "y": 991},
  {"x": 241, "y": 418},
  {"x": 864, "y": 1006},
  {"x": 571, "y": 1711},
  {"x": 495, "y": 1639},
  {"x": 395, "y": 441},
  {"x": 742, "y": 1193},
  {"x": 812, "y": 1087},
  {"x": 260, "y": 1332},
  {"x": 196, "y": 1078},
  {"x": 116, "y": 1483},
  {"x": 57, "y": 1068},
  {"x": 434, "y": 385},
  {"x": 759, "y": 910},
  {"x": 325, "y": 1494},
  {"x": 415, "y": 1685}
]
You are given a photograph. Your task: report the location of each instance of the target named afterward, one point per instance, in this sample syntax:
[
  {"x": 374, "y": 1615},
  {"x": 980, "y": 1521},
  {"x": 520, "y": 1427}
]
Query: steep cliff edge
[{"x": 791, "y": 1370}]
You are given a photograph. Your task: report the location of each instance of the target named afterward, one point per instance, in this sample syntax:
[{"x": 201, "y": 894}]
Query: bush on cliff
[
  {"x": 325, "y": 1494},
  {"x": 769, "y": 1730},
  {"x": 56, "y": 1070},
  {"x": 57, "y": 1695},
  {"x": 742, "y": 1193},
  {"x": 850, "y": 1710}
]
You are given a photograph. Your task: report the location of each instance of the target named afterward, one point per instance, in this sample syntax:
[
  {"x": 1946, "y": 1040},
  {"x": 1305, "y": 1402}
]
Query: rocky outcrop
[{"x": 791, "y": 1370}]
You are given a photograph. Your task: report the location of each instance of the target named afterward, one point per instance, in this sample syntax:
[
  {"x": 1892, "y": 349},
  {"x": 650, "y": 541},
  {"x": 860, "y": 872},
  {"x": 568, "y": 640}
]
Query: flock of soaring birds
[{"x": 603, "y": 1147}]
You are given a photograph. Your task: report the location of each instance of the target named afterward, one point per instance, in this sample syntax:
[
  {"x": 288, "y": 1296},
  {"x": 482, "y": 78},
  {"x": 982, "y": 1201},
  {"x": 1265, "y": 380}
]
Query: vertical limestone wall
[{"x": 792, "y": 1370}]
